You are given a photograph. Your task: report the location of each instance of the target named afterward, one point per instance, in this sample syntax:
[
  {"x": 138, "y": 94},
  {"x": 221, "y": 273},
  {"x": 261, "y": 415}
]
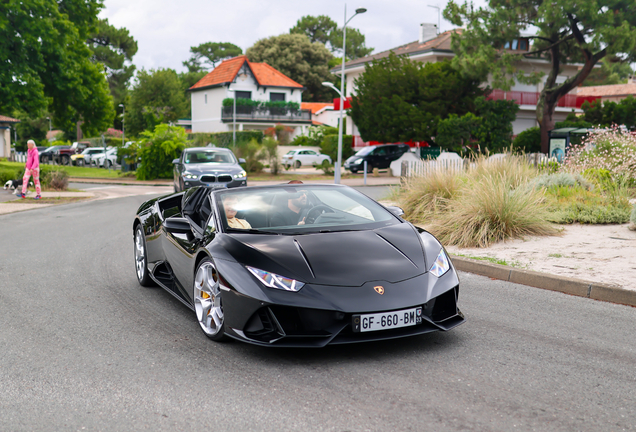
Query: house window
[
  {"x": 523, "y": 44},
  {"x": 517, "y": 44},
  {"x": 277, "y": 97},
  {"x": 244, "y": 95}
]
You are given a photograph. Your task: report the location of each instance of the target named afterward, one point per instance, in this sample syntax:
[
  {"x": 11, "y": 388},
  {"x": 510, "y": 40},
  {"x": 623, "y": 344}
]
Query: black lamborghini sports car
[{"x": 295, "y": 265}]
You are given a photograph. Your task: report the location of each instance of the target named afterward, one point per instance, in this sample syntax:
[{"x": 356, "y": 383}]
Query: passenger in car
[{"x": 230, "y": 203}]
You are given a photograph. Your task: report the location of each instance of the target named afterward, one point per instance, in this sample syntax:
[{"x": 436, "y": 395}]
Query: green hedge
[
  {"x": 228, "y": 102},
  {"x": 224, "y": 139},
  {"x": 46, "y": 173}
]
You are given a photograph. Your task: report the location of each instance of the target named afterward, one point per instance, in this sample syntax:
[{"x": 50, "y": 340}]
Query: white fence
[
  {"x": 19, "y": 157},
  {"x": 422, "y": 168}
]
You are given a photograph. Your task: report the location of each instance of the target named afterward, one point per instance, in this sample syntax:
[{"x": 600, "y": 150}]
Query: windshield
[
  {"x": 299, "y": 209},
  {"x": 208, "y": 156},
  {"x": 365, "y": 151}
]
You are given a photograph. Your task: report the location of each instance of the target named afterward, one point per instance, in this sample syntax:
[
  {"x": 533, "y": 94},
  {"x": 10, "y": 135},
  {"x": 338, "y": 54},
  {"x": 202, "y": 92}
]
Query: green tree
[
  {"x": 565, "y": 32},
  {"x": 609, "y": 113},
  {"x": 46, "y": 64},
  {"x": 495, "y": 130},
  {"x": 207, "y": 55},
  {"x": 454, "y": 132},
  {"x": 295, "y": 56},
  {"x": 400, "y": 99},
  {"x": 157, "y": 150},
  {"x": 157, "y": 97},
  {"x": 113, "y": 47},
  {"x": 326, "y": 31},
  {"x": 609, "y": 73}
]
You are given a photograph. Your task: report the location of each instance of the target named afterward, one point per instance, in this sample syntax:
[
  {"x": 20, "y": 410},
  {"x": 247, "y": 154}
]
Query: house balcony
[
  {"x": 248, "y": 114},
  {"x": 532, "y": 98}
]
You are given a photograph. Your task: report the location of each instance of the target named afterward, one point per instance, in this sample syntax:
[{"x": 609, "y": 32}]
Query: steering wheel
[{"x": 313, "y": 214}]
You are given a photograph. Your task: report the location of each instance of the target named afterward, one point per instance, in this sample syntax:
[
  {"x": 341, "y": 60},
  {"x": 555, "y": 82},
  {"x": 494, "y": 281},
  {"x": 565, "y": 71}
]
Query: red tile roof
[
  {"x": 608, "y": 90},
  {"x": 5, "y": 119},
  {"x": 315, "y": 106},
  {"x": 265, "y": 75}
]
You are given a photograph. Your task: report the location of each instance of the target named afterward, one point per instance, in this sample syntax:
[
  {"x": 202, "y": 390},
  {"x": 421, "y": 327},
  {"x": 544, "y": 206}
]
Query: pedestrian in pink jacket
[{"x": 32, "y": 169}]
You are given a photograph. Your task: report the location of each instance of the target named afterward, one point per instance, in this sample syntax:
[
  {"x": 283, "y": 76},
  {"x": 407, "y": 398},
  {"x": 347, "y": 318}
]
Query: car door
[
  {"x": 312, "y": 158},
  {"x": 180, "y": 247}
]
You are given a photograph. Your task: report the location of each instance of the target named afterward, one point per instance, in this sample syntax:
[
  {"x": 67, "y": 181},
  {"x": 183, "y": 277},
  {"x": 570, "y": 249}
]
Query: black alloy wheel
[{"x": 141, "y": 259}]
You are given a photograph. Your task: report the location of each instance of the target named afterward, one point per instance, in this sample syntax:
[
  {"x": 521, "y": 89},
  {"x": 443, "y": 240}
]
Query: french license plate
[{"x": 387, "y": 320}]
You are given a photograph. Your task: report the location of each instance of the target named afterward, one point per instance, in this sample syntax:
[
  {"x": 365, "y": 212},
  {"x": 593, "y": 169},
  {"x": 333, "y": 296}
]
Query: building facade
[{"x": 258, "y": 82}]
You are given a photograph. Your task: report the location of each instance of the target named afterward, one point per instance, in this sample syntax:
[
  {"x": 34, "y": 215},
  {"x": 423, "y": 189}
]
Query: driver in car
[
  {"x": 230, "y": 202},
  {"x": 291, "y": 215}
]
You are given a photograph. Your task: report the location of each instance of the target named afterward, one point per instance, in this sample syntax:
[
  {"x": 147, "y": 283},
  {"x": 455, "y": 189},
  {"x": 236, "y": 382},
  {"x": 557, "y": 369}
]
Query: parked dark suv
[{"x": 379, "y": 156}]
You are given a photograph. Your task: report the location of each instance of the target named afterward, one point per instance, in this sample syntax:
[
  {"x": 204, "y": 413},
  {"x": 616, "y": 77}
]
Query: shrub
[
  {"x": 158, "y": 149},
  {"x": 329, "y": 146},
  {"x": 270, "y": 154},
  {"x": 528, "y": 141},
  {"x": 632, "y": 218},
  {"x": 325, "y": 167},
  {"x": 561, "y": 179},
  {"x": 54, "y": 177},
  {"x": 250, "y": 151},
  {"x": 7, "y": 174},
  {"x": 613, "y": 150}
]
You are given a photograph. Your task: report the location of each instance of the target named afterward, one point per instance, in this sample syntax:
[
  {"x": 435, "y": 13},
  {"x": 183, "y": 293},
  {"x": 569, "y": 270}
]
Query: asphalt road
[{"x": 84, "y": 347}]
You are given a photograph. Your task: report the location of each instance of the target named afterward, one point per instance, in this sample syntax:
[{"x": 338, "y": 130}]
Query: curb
[{"x": 576, "y": 287}]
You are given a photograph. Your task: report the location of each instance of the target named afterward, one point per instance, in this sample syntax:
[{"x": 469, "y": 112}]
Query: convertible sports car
[{"x": 295, "y": 265}]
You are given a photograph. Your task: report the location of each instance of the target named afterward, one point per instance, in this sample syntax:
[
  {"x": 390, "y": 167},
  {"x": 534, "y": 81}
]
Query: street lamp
[
  {"x": 123, "y": 129},
  {"x": 49, "y": 119},
  {"x": 233, "y": 119},
  {"x": 342, "y": 92}
]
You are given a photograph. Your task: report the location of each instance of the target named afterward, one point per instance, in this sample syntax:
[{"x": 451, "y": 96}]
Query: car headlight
[
  {"x": 190, "y": 176},
  {"x": 441, "y": 264},
  {"x": 242, "y": 174},
  {"x": 358, "y": 161},
  {"x": 272, "y": 280}
]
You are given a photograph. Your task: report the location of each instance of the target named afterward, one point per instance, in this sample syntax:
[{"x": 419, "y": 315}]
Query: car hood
[
  {"x": 351, "y": 258},
  {"x": 213, "y": 168}
]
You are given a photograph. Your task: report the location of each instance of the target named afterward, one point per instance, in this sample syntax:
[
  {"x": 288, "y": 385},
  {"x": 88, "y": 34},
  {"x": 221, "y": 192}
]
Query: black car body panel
[
  {"x": 374, "y": 268},
  {"x": 379, "y": 156}
]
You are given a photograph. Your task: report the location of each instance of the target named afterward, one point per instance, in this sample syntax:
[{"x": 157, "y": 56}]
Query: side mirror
[
  {"x": 241, "y": 160},
  {"x": 175, "y": 161},
  {"x": 177, "y": 225},
  {"x": 395, "y": 210}
]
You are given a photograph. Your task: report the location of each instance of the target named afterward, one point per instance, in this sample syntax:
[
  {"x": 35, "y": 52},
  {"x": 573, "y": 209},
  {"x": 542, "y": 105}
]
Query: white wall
[{"x": 5, "y": 146}]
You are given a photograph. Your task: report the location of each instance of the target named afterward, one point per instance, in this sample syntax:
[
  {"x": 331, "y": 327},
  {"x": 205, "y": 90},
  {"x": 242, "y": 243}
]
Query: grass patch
[
  {"x": 51, "y": 200},
  {"x": 74, "y": 171},
  {"x": 492, "y": 260},
  {"x": 555, "y": 255}
]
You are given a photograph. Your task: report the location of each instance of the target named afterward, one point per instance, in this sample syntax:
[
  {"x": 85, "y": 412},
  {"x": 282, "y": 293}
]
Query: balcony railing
[
  {"x": 276, "y": 115},
  {"x": 532, "y": 98}
]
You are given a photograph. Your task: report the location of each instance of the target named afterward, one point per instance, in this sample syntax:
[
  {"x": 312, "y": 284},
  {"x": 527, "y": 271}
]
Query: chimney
[{"x": 427, "y": 32}]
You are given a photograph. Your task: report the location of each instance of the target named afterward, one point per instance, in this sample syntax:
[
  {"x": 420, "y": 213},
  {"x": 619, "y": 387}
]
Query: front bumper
[
  {"x": 188, "y": 183},
  {"x": 321, "y": 315}
]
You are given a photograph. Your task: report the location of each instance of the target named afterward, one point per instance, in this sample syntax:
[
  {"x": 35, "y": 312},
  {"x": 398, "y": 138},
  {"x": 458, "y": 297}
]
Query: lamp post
[
  {"x": 49, "y": 119},
  {"x": 342, "y": 92},
  {"x": 233, "y": 119},
  {"x": 123, "y": 128}
]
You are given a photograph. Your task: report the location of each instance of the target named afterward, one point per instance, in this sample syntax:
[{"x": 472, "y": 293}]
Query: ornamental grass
[{"x": 491, "y": 201}]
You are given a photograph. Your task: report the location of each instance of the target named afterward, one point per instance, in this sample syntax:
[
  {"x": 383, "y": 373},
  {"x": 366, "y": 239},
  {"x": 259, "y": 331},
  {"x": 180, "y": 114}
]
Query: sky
[{"x": 165, "y": 30}]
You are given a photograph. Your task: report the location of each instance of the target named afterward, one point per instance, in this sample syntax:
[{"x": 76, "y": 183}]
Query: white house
[
  {"x": 240, "y": 78},
  {"x": 5, "y": 135},
  {"x": 432, "y": 47},
  {"x": 322, "y": 113}
]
